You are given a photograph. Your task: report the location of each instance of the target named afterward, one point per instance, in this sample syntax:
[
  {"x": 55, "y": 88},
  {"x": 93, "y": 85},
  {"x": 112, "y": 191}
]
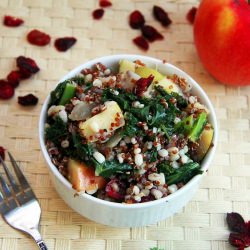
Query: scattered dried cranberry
[
  {"x": 11, "y": 21},
  {"x": 2, "y": 152},
  {"x": 191, "y": 15},
  {"x": 151, "y": 33},
  {"x": 240, "y": 236},
  {"x": 239, "y": 240},
  {"x": 113, "y": 192},
  {"x": 248, "y": 227},
  {"x": 37, "y": 37},
  {"x": 24, "y": 74},
  {"x": 162, "y": 16},
  {"x": 6, "y": 90},
  {"x": 14, "y": 78},
  {"x": 105, "y": 3},
  {"x": 141, "y": 42},
  {"x": 236, "y": 223},
  {"x": 98, "y": 14},
  {"x": 142, "y": 84},
  {"x": 136, "y": 20},
  {"x": 27, "y": 65},
  {"x": 64, "y": 43},
  {"x": 27, "y": 100}
]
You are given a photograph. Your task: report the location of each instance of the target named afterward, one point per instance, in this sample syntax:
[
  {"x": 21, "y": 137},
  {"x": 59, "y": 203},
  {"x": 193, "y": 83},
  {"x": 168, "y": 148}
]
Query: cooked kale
[
  {"x": 131, "y": 129},
  {"x": 57, "y": 131},
  {"x": 153, "y": 113},
  {"x": 181, "y": 102},
  {"x": 164, "y": 167},
  {"x": 57, "y": 93},
  {"x": 152, "y": 155},
  {"x": 82, "y": 151},
  {"x": 124, "y": 99},
  {"x": 78, "y": 79},
  {"x": 108, "y": 168},
  {"x": 181, "y": 174}
]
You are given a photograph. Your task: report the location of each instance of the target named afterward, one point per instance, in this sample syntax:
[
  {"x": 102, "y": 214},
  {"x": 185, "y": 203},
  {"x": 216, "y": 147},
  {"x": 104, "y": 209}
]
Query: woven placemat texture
[{"x": 201, "y": 224}]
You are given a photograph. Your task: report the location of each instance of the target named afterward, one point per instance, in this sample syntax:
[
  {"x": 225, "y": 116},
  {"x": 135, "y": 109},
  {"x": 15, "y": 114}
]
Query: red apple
[{"x": 222, "y": 39}]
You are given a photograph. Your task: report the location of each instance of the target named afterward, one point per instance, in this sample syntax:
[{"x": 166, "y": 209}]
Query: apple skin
[{"x": 222, "y": 39}]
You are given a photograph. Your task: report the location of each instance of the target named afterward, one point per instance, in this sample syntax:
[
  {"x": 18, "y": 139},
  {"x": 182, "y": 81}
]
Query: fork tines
[{"x": 14, "y": 195}]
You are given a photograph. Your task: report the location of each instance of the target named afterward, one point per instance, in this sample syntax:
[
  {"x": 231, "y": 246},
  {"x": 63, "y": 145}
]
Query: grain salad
[{"x": 129, "y": 135}]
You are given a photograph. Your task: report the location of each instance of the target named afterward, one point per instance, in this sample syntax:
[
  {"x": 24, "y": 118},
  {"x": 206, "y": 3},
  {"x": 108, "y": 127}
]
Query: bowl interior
[{"x": 164, "y": 68}]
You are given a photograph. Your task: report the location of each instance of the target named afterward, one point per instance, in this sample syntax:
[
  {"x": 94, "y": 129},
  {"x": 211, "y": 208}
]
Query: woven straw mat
[{"x": 201, "y": 224}]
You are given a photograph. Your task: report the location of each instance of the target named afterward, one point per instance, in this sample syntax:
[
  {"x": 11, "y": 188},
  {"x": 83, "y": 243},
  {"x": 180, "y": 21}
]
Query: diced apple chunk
[
  {"x": 204, "y": 142},
  {"x": 169, "y": 86},
  {"x": 108, "y": 120},
  {"x": 145, "y": 72},
  {"x": 126, "y": 65},
  {"x": 83, "y": 177}
]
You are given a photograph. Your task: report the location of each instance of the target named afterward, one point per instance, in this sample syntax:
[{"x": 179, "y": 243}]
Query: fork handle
[{"x": 42, "y": 245}]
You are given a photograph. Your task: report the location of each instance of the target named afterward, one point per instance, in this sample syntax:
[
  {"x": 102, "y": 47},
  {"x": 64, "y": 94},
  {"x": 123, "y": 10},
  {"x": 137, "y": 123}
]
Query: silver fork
[{"x": 18, "y": 204}]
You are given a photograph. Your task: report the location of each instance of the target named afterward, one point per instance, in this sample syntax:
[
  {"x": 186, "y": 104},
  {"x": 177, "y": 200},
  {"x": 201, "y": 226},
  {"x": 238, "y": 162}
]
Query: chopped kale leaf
[
  {"x": 81, "y": 151},
  {"x": 182, "y": 174},
  {"x": 124, "y": 99},
  {"x": 152, "y": 155},
  {"x": 56, "y": 131},
  {"x": 78, "y": 80},
  {"x": 108, "y": 168},
  {"x": 130, "y": 129},
  {"x": 56, "y": 94}
]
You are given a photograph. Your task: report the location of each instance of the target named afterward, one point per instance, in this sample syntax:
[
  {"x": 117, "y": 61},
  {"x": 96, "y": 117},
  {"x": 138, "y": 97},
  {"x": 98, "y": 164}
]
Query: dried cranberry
[
  {"x": 26, "y": 64},
  {"x": 64, "y": 43},
  {"x": 141, "y": 42},
  {"x": 11, "y": 21},
  {"x": 27, "y": 100},
  {"x": 239, "y": 240},
  {"x": 162, "y": 16},
  {"x": 115, "y": 189},
  {"x": 2, "y": 152},
  {"x": 136, "y": 20},
  {"x": 105, "y": 3},
  {"x": 241, "y": 231},
  {"x": 248, "y": 227},
  {"x": 151, "y": 33},
  {"x": 14, "y": 78},
  {"x": 24, "y": 74},
  {"x": 142, "y": 84},
  {"x": 98, "y": 14},
  {"x": 236, "y": 223},
  {"x": 6, "y": 90},
  {"x": 191, "y": 15},
  {"x": 37, "y": 37}
]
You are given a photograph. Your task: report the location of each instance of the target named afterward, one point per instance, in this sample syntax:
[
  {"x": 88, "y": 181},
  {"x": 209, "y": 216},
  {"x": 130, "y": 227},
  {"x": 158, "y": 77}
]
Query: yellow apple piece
[
  {"x": 108, "y": 120},
  {"x": 204, "y": 142},
  {"x": 145, "y": 72},
  {"x": 126, "y": 65},
  {"x": 82, "y": 177},
  {"x": 169, "y": 86}
]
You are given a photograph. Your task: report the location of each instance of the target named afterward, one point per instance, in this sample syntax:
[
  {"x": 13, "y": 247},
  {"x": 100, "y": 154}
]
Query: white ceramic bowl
[{"x": 124, "y": 215}]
